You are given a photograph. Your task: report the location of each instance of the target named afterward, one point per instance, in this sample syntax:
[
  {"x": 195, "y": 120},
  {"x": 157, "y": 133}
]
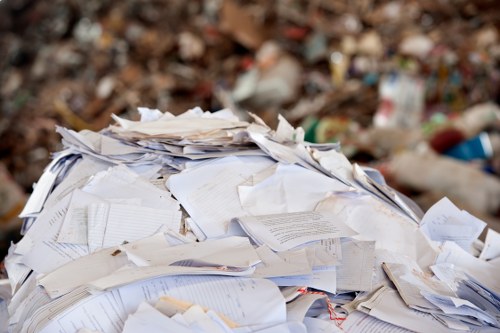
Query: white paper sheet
[
  {"x": 76, "y": 178},
  {"x": 148, "y": 319},
  {"x": 229, "y": 251},
  {"x": 273, "y": 265},
  {"x": 491, "y": 249},
  {"x": 320, "y": 279},
  {"x": 297, "y": 309},
  {"x": 74, "y": 228},
  {"x": 120, "y": 182},
  {"x": 410, "y": 282},
  {"x": 358, "y": 322},
  {"x": 102, "y": 312},
  {"x": 283, "y": 232},
  {"x": 481, "y": 270},
  {"x": 243, "y": 300},
  {"x": 291, "y": 188},
  {"x": 209, "y": 193},
  {"x": 445, "y": 222},
  {"x": 44, "y": 186},
  {"x": 376, "y": 221},
  {"x": 130, "y": 223},
  {"x": 81, "y": 271},
  {"x": 387, "y": 306},
  {"x": 356, "y": 268},
  {"x": 44, "y": 253}
]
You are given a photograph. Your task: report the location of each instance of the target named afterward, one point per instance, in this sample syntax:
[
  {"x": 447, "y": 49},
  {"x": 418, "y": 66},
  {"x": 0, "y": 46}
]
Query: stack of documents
[{"x": 205, "y": 223}]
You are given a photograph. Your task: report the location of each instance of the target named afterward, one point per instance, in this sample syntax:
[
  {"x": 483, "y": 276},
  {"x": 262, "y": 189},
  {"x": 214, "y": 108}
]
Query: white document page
[
  {"x": 86, "y": 330},
  {"x": 45, "y": 184},
  {"x": 132, "y": 273},
  {"x": 335, "y": 162},
  {"x": 297, "y": 309},
  {"x": 291, "y": 188},
  {"x": 244, "y": 301},
  {"x": 359, "y": 322},
  {"x": 112, "y": 146},
  {"x": 483, "y": 271},
  {"x": 283, "y": 232},
  {"x": 445, "y": 222},
  {"x": 229, "y": 251},
  {"x": 45, "y": 254},
  {"x": 130, "y": 223},
  {"x": 35, "y": 300},
  {"x": 17, "y": 270},
  {"x": 410, "y": 282},
  {"x": 200, "y": 321},
  {"x": 97, "y": 219},
  {"x": 77, "y": 177},
  {"x": 320, "y": 279},
  {"x": 457, "y": 309},
  {"x": 288, "y": 327},
  {"x": 287, "y": 154},
  {"x": 356, "y": 268},
  {"x": 148, "y": 319},
  {"x": 74, "y": 229},
  {"x": 81, "y": 271},
  {"x": 491, "y": 249},
  {"x": 120, "y": 182},
  {"x": 387, "y": 305},
  {"x": 209, "y": 192},
  {"x": 376, "y": 221},
  {"x": 383, "y": 192},
  {"x": 101, "y": 312},
  {"x": 327, "y": 252},
  {"x": 273, "y": 265},
  {"x": 316, "y": 325}
]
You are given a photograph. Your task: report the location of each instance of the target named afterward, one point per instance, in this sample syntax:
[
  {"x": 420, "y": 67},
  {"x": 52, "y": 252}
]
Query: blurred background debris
[{"x": 409, "y": 87}]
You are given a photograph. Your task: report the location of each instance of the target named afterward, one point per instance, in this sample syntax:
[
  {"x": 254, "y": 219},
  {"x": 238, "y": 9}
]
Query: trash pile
[{"x": 206, "y": 222}]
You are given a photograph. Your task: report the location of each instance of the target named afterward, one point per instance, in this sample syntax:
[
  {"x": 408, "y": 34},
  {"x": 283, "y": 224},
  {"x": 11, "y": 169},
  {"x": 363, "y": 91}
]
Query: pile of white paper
[{"x": 205, "y": 223}]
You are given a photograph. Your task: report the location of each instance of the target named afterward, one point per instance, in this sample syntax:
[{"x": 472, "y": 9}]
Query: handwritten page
[{"x": 283, "y": 232}]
